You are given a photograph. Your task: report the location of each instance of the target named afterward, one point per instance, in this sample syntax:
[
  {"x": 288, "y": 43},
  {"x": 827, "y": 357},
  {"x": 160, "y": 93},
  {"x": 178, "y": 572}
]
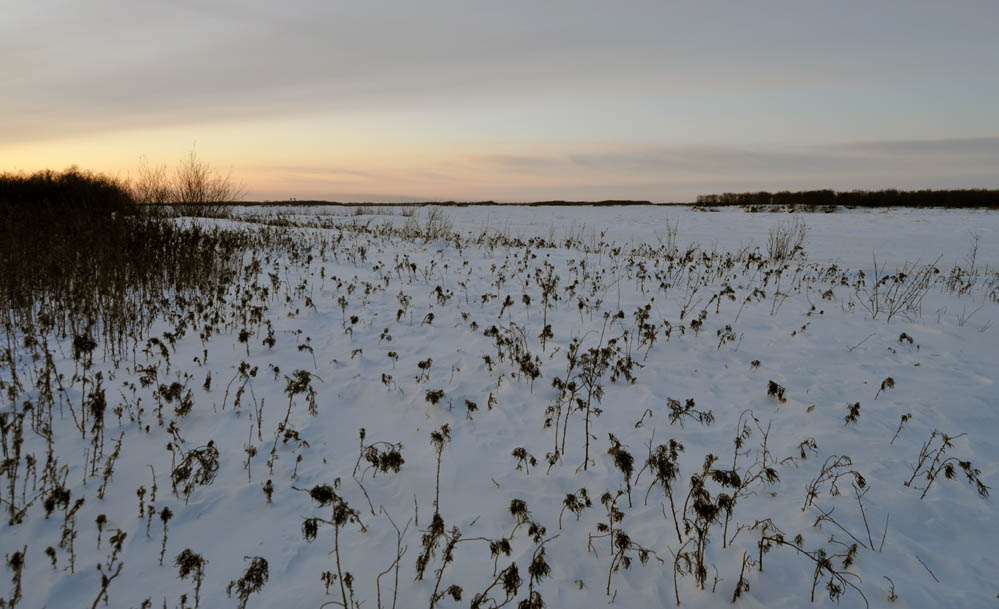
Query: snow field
[{"x": 723, "y": 322}]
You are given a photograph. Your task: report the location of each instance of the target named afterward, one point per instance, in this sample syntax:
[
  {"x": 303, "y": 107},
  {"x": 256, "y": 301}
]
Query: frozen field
[
  {"x": 848, "y": 236},
  {"x": 561, "y": 407}
]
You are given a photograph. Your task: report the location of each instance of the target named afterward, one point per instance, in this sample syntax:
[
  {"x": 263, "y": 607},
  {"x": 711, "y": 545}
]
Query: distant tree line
[{"x": 966, "y": 198}]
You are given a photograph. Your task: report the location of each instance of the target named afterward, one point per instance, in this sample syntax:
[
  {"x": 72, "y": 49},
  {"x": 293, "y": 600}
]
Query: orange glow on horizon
[{"x": 304, "y": 158}]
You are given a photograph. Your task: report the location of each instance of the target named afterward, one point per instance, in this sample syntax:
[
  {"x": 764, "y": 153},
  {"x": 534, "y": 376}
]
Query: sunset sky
[{"x": 509, "y": 100}]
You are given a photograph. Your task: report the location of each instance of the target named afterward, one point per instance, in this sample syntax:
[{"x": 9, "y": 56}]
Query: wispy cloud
[
  {"x": 112, "y": 64},
  {"x": 984, "y": 147},
  {"x": 687, "y": 171},
  {"x": 317, "y": 173},
  {"x": 720, "y": 160}
]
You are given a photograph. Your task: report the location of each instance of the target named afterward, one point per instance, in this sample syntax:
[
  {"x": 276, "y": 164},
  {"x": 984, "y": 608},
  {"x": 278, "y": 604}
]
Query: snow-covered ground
[
  {"x": 701, "y": 339},
  {"x": 847, "y": 236}
]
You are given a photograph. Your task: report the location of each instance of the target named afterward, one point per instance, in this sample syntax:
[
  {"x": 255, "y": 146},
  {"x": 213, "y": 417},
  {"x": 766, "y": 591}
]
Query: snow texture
[{"x": 724, "y": 326}]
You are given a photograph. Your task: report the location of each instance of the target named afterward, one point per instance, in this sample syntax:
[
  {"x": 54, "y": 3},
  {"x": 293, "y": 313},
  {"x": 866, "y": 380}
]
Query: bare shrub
[
  {"x": 252, "y": 581},
  {"x": 152, "y": 184},
  {"x": 437, "y": 224},
  {"x": 786, "y": 240},
  {"x": 667, "y": 239},
  {"x": 199, "y": 189},
  {"x": 898, "y": 294}
]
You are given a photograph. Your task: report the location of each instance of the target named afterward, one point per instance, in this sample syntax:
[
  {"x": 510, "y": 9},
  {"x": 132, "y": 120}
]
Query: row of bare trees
[{"x": 963, "y": 198}]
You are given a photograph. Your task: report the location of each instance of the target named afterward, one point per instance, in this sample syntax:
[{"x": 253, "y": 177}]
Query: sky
[{"x": 510, "y": 101}]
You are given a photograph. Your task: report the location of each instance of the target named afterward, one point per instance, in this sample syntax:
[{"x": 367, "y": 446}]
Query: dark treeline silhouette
[
  {"x": 968, "y": 198},
  {"x": 62, "y": 196}
]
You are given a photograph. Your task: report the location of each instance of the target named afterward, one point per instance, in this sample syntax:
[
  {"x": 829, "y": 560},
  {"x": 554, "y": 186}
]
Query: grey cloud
[
  {"x": 688, "y": 171},
  {"x": 315, "y": 172},
  {"x": 526, "y": 164},
  {"x": 979, "y": 146},
  {"x": 331, "y": 56},
  {"x": 694, "y": 160},
  {"x": 714, "y": 160},
  {"x": 113, "y": 64}
]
